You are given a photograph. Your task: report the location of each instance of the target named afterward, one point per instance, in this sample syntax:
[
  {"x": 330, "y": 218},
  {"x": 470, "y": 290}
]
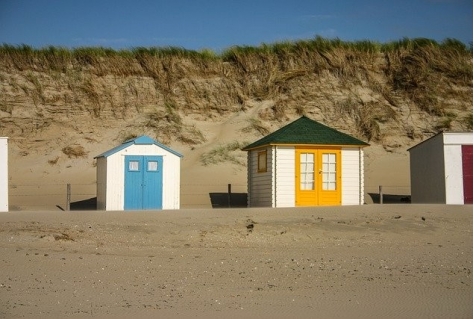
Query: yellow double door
[{"x": 318, "y": 176}]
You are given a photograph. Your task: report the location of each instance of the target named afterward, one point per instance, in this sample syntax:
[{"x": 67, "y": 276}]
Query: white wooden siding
[
  {"x": 260, "y": 183},
  {"x": 362, "y": 176},
  {"x": 3, "y": 174},
  {"x": 453, "y": 174},
  {"x": 453, "y": 165},
  {"x": 116, "y": 174},
  {"x": 285, "y": 176},
  {"x": 171, "y": 181},
  {"x": 457, "y": 138},
  {"x": 115, "y": 183},
  {"x": 352, "y": 179}
]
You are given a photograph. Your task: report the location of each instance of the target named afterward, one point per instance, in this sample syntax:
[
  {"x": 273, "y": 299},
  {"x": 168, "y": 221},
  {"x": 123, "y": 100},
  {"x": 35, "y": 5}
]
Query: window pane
[
  {"x": 133, "y": 166},
  {"x": 329, "y": 171},
  {"x": 325, "y": 167},
  {"x": 152, "y": 166},
  {"x": 307, "y": 186},
  {"x": 262, "y": 161},
  {"x": 307, "y": 171}
]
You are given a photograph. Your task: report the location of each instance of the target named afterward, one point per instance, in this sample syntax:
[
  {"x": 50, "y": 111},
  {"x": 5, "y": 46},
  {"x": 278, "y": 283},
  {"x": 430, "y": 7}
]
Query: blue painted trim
[{"x": 141, "y": 140}]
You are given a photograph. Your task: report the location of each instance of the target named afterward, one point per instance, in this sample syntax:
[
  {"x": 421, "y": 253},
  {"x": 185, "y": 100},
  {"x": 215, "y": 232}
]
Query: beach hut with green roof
[{"x": 305, "y": 163}]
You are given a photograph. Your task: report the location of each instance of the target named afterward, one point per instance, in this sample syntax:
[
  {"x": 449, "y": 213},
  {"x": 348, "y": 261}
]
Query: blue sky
[{"x": 220, "y": 24}]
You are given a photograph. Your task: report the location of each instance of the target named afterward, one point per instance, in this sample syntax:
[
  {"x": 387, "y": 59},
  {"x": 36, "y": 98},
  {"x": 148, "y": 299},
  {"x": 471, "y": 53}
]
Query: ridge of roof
[
  {"x": 306, "y": 131},
  {"x": 141, "y": 140}
]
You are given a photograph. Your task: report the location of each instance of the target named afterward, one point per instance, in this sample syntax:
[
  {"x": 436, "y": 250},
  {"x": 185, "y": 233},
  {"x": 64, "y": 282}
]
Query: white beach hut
[
  {"x": 305, "y": 163},
  {"x": 138, "y": 174},
  {"x": 441, "y": 169},
  {"x": 3, "y": 174}
]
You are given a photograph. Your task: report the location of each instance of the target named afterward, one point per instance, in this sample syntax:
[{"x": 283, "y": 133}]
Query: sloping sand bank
[{"x": 373, "y": 261}]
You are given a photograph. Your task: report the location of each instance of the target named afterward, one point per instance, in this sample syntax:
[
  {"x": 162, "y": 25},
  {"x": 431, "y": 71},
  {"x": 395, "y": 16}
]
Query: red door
[{"x": 467, "y": 173}]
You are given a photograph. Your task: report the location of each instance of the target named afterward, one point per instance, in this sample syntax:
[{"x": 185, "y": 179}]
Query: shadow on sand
[
  {"x": 223, "y": 200},
  {"x": 86, "y": 204},
  {"x": 218, "y": 200},
  {"x": 390, "y": 199}
]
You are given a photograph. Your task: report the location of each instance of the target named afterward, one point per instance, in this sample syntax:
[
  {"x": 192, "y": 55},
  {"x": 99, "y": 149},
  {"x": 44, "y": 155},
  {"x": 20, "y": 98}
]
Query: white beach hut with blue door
[{"x": 139, "y": 174}]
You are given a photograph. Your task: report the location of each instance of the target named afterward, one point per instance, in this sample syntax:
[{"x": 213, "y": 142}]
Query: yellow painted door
[
  {"x": 329, "y": 177},
  {"x": 318, "y": 177},
  {"x": 306, "y": 192}
]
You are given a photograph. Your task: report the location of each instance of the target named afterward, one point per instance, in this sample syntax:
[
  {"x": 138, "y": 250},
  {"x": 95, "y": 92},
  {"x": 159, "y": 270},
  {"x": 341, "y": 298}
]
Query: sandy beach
[{"x": 372, "y": 261}]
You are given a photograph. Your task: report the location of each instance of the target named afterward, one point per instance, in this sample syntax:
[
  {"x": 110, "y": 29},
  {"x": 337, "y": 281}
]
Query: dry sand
[{"x": 372, "y": 261}]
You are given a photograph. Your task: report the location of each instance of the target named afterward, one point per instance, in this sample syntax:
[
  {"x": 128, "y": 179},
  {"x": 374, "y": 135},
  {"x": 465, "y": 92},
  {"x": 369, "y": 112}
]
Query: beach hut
[
  {"x": 138, "y": 174},
  {"x": 441, "y": 169},
  {"x": 305, "y": 163},
  {"x": 3, "y": 174}
]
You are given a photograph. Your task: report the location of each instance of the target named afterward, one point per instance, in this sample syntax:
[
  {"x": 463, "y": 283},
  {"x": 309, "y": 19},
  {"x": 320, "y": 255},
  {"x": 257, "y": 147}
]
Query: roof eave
[
  {"x": 142, "y": 140},
  {"x": 305, "y": 145}
]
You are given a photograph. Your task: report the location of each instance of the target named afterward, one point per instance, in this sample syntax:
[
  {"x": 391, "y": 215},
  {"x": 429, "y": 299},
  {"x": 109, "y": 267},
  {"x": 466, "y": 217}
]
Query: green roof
[{"x": 306, "y": 131}]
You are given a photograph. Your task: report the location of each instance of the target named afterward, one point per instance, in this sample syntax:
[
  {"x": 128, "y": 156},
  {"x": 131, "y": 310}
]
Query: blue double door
[{"x": 143, "y": 182}]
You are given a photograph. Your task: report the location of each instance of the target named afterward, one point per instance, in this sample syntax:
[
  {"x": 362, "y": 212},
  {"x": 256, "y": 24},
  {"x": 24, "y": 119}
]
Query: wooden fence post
[
  {"x": 229, "y": 194},
  {"x": 380, "y": 195},
  {"x": 68, "y": 197}
]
